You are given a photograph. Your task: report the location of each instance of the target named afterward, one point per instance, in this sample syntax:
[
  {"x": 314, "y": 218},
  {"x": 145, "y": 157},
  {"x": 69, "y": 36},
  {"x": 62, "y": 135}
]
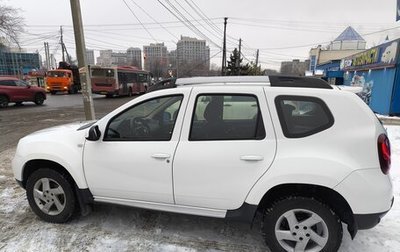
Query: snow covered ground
[{"x": 115, "y": 228}]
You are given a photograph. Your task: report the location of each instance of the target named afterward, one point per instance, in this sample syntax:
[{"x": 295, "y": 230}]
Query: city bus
[{"x": 122, "y": 80}]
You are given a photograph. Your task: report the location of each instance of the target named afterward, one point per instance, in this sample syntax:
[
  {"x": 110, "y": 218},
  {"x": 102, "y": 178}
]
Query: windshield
[
  {"x": 56, "y": 74},
  {"x": 102, "y": 72},
  {"x": 142, "y": 77}
]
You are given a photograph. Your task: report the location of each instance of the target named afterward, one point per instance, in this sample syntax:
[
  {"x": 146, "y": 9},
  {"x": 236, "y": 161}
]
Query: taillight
[{"x": 384, "y": 153}]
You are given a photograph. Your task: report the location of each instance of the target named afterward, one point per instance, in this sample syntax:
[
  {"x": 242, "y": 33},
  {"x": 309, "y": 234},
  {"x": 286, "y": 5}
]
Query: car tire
[
  {"x": 51, "y": 196},
  {"x": 3, "y": 101},
  {"x": 301, "y": 224},
  {"x": 18, "y": 103},
  {"x": 39, "y": 99}
]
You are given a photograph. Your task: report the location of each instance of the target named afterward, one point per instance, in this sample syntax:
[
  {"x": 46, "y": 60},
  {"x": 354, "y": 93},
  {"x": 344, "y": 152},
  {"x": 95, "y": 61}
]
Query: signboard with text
[{"x": 384, "y": 55}]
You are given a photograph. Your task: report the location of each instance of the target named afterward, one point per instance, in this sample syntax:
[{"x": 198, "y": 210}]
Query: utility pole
[
  {"x": 47, "y": 55},
  {"x": 52, "y": 61},
  {"x": 240, "y": 54},
  {"x": 62, "y": 44},
  {"x": 258, "y": 51},
  {"x": 223, "y": 70},
  {"x": 86, "y": 84}
]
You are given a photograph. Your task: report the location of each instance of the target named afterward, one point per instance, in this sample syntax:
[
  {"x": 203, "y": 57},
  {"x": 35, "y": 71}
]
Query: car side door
[
  {"x": 133, "y": 160},
  {"x": 9, "y": 87},
  {"x": 227, "y": 144},
  {"x": 24, "y": 91}
]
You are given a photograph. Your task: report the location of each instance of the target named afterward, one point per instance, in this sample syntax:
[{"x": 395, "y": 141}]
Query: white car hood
[{"x": 61, "y": 129}]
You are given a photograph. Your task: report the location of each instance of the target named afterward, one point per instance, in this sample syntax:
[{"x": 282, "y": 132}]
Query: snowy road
[{"x": 114, "y": 228}]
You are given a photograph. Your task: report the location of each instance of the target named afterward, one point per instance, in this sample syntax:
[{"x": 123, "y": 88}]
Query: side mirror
[{"x": 94, "y": 133}]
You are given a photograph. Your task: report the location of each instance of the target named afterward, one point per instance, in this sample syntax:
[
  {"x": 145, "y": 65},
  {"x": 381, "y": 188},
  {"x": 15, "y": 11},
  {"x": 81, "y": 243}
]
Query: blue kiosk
[{"x": 377, "y": 71}]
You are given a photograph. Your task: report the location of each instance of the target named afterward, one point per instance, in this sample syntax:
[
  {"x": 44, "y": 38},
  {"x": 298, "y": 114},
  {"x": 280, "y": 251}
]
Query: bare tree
[{"x": 11, "y": 24}]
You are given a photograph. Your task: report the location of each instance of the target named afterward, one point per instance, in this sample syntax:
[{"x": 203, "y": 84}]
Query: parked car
[
  {"x": 305, "y": 155},
  {"x": 18, "y": 91}
]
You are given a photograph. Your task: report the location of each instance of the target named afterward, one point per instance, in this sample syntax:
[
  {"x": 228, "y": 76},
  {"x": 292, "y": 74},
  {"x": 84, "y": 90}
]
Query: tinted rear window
[{"x": 302, "y": 116}]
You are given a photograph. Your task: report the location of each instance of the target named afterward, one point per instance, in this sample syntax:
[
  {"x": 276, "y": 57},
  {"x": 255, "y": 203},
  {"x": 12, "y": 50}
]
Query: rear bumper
[{"x": 367, "y": 221}]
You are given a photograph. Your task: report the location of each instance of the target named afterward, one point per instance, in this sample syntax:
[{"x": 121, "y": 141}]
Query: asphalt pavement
[{"x": 18, "y": 121}]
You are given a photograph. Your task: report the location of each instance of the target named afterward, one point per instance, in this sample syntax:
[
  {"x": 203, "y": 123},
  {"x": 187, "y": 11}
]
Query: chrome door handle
[
  {"x": 251, "y": 158},
  {"x": 160, "y": 156}
]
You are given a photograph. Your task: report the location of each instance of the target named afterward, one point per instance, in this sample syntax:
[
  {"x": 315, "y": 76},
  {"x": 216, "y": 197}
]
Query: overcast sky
[{"x": 282, "y": 30}]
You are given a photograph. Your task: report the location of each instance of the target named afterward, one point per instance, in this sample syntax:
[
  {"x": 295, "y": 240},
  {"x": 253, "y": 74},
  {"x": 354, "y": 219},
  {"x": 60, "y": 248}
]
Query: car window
[
  {"x": 10, "y": 83},
  {"x": 21, "y": 83},
  {"x": 226, "y": 117},
  {"x": 152, "y": 120},
  {"x": 302, "y": 116}
]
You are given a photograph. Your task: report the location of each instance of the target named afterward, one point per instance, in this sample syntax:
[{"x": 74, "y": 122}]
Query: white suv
[{"x": 305, "y": 154}]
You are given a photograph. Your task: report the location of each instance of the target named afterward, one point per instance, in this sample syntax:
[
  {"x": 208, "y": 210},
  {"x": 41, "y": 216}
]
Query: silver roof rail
[
  {"x": 224, "y": 80},
  {"x": 272, "y": 80}
]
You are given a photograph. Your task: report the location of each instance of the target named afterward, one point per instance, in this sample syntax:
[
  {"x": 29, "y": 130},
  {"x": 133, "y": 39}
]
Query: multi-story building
[
  {"x": 295, "y": 67},
  {"x": 193, "y": 56},
  {"x": 109, "y": 58},
  {"x": 17, "y": 63},
  {"x": 119, "y": 58},
  {"x": 105, "y": 59},
  {"x": 348, "y": 43},
  {"x": 89, "y": 57},
  {"x": 326, "y": 62},
  {"x": 156, "y": 59},
  {"x": 134, "y": 57}
]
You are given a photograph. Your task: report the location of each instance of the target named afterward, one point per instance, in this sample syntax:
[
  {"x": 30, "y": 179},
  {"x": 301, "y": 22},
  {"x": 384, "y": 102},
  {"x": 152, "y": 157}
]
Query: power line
[
  {"x": 204, "y": 16},
  {"x": 193, "y": 27},
  {"x": 144, "y": 27},
  {"x": 187, "y": 23},
  {"x": 154, "y": 19},
  {"x": 124, "y": 24},
  {"x": 204, "y": 27}
]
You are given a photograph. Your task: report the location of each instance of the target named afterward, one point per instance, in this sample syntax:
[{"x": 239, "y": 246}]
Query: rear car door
[{"x": 227, "y": 143}]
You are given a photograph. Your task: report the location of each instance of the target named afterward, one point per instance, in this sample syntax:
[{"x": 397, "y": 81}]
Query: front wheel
[
  {"x": 50, "y": 195},
  {"x": 301, "y": 224}
]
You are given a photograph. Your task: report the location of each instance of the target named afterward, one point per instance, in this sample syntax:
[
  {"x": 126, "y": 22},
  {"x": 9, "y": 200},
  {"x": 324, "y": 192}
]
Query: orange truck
[{"x": 63, "y": 80}]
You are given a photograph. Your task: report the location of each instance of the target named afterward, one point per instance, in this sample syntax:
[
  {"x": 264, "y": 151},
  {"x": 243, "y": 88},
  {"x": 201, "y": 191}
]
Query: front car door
[
  {"x": 133, "y": 161},
  {"x": 24, "y": 91},
  {"x": 227, "y": 143}
]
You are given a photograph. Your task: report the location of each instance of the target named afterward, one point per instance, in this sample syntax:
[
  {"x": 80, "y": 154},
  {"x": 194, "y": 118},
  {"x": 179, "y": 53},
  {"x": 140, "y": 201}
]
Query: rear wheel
[
  {"x": 39, "y": 99},
  {"x": 301, "y": 224},
  {"x": 50, "y": 195},
  {"x": 3, "y": 101}
]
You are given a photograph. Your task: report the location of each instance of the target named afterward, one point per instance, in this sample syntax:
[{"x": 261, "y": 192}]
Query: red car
[{"x": 18, "y": 91}]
